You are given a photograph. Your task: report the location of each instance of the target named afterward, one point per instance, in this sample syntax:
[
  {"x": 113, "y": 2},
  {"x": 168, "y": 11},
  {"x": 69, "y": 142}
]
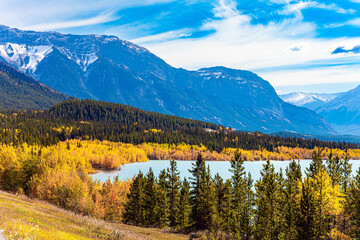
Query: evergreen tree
[
  {"x": 316, "y": 164},
  {"x": 334, "y": 168},
  {"x": 268, "y": 219},
  {"x": 184, "y": 206},
  {"x": 201, "y": 195},
  {"x": 222, "y": 204},
  {"x": 150, "y": 199},
  {"x": 346, "y": 171},
  {"x": 306, "y": 222},
  {"x": 352, "y": 207},
  {"x": 135, "y": 207},
  {"x": 162, "y": 210},
  {"x": 173, "y": 193},
  {"x": 291, "y": 191},
  {"x": 240, "y": 215}
]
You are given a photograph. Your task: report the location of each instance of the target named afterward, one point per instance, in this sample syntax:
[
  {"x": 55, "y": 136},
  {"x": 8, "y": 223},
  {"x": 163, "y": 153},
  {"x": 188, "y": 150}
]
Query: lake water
[{"x": 221, "y": 167}]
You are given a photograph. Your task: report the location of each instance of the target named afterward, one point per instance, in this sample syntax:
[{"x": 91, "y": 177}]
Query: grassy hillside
[
  {"x": 25, "y": 218},
  {"x": 20, "y": 91}
]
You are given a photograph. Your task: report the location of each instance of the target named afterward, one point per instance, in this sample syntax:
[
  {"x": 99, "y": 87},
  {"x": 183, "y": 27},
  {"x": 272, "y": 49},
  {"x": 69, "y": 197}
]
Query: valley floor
[{"x": 25, "y": 218}]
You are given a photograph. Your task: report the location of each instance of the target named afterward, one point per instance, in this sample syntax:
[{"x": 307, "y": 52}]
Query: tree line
[
  {"x": 95, "y": 120},
  {"x": 322, "y": 204}
]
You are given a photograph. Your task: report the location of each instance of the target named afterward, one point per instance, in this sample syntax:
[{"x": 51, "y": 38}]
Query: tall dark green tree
[
  {"x": 269, "y": 195},
  {"x": 135, "y": 207},
  {"x": 150, "y": 199},
  {"x": 334, "y": 168},
  {"x": 306, "y": 221},
  {"x": 291, "y": 208},
  {"x": 222, "y": 204},
  {"x": 162, "y": 210},
  {"x": 201, "y": 195},
  {"x": 352, "y": 207},
  {"x": 316, "y": 164},
  {"x": 174, "y": 193},
  {"x": 240, "y": 216},
  {"x": 184, "y": 205}
]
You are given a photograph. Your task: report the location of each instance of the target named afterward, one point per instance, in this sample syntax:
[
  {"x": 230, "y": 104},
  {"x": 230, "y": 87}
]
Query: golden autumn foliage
[{"x": 59, "y": 174}]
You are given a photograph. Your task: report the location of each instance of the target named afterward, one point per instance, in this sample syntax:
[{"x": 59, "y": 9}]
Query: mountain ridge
[{"x": 109, "y": 69}]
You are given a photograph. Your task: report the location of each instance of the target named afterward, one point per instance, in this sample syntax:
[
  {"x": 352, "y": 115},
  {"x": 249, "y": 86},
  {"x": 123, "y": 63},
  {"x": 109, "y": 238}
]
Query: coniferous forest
[
  {"x": 322, "y": 204},
  {"x": 94, "y": 120}
]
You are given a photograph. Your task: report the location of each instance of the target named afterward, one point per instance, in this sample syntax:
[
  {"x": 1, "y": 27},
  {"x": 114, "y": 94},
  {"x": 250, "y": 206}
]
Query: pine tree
[
  {"x": 184, "y": 206},
  {"x": 334, "y": 168},
  {"x": 222, "y": 204},
  {"x": 306, "y": 221},
  {"x": 150, "y": 199},
  {"x": 240, "y": 215},
  {"x": 316, "y": 164},
  {"x": 162, "y": 210},
  {"x": 201, "y": 195},
  {"x": 174, "y": 193},
  {"x": 352, "y": 207},
  {"x": 346, "y": 170},
  {"x": 134, "y": 208},
  {"x": 268, "y": 219},
  {"x": 291, "y": 190}
]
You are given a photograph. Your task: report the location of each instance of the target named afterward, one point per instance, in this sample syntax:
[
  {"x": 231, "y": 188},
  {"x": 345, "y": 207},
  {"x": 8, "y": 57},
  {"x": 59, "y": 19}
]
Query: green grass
[{"x": 25, "y": 218}]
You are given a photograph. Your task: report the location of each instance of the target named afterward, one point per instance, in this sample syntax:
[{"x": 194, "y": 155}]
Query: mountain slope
[
  {"x": 20, "y": 91},
  {"x": 309, "y": 100},
  {"x": 109, "y": 69},
  {"x": 25, "y": 218},
  {"x": 344, "y": 112}
]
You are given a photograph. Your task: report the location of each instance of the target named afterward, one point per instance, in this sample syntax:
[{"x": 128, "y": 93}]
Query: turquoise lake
[{"x": 130, "y": 170}]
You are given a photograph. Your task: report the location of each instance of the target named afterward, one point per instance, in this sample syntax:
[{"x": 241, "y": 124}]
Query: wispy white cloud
[
  {"x": 237, "y": 43},
  {"x": 102, "y": 18}
]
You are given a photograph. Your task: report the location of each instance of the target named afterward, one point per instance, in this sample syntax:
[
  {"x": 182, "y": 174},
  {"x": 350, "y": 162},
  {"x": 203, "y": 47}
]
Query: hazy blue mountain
[
  {"x": 20, "y": 91},
  {"x": 344, "y": 112},
  {"x": 309, "y": 100},
  {"x": 109, "y": 69}
]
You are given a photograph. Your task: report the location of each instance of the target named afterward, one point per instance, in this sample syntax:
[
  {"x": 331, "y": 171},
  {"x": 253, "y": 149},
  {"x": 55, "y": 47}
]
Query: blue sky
[{"x": 302, "y": 45}]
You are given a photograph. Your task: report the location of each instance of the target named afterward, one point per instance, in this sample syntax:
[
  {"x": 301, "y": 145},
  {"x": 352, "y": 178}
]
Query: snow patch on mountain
[
  {"x": 25, "y": 58},
  {"x": 301, "y": 98}
]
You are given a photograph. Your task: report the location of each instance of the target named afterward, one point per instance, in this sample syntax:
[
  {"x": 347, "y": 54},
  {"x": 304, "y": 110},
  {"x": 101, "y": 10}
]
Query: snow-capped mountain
[
  {"x": 109, "y": 69},
  {"x": 344, "y": 112},
  {"x": 309, "y": 100}
]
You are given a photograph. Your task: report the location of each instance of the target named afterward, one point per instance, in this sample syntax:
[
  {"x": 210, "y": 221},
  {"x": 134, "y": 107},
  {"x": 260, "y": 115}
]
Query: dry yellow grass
[{"x": 25, "y": 218}]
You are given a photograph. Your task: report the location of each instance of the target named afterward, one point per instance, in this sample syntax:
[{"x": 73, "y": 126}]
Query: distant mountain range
[
  {"x": 20, "y": 91},
  {"x": 343, "y": 112},
  {"x": 109, "y": 69},
  {"x": 309, "y": 100}
]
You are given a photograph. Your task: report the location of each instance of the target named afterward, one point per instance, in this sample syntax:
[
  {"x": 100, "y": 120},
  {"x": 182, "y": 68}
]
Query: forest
[
  {"x": 322, "y": 204},
  {"x": 95, "y": 120},
  {"x": 51, "y": 154}
]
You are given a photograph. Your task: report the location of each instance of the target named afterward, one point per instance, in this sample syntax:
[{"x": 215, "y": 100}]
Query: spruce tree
[
  {"x": 306, "y": 221},
  {"x": 150, "y": 199},
  {"x": 239, "y": 214},
  {"x": 346, "y": 170},
  {"x": 268, "y": 201},
  {"x": 162, "y": 208},
  {"x": 316, "y": 164},
  {"x": 291, "y": 209},
  {"x": 134, "y": 208},
  {"x": 222, "y": 204},
  {"x": 352, "y": 207},
  {"x": 173, "y": 193},
  {"x": 184, "y": 206},
  {"x": 201, "y": 195},
  {"x": 334, "y": 168}
]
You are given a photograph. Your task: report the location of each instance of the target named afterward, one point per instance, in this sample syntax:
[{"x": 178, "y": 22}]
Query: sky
[{"x": 297, "y": 45}]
